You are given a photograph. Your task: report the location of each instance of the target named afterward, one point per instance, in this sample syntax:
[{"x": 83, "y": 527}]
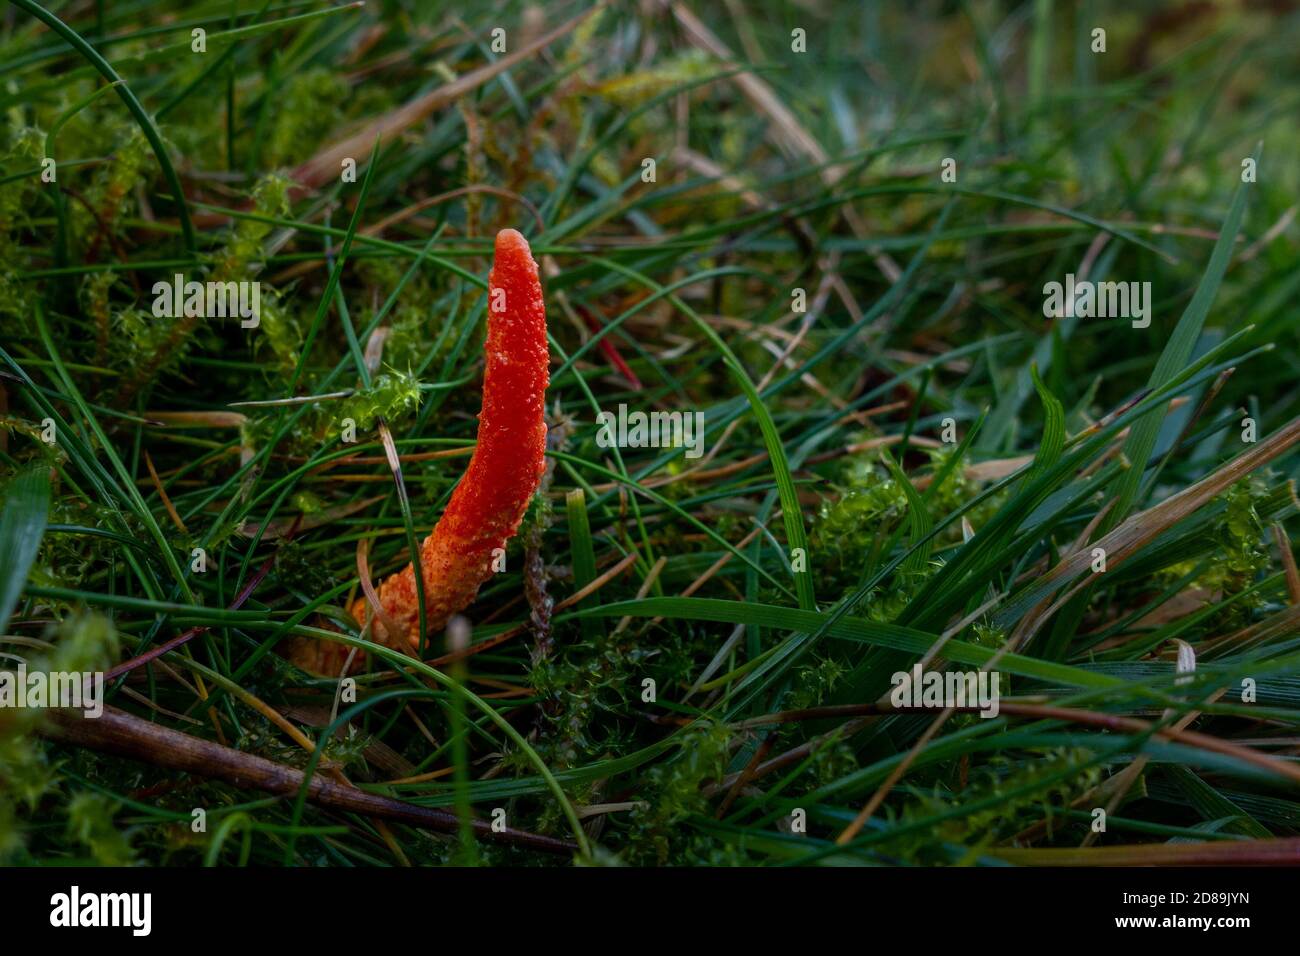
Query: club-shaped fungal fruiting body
[{"x": 503, "y": 474}]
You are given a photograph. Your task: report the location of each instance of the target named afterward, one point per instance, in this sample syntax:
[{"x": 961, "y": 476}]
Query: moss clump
[
  {"x": 389, "y": 396},
  {"x": 301, "y": 572},
  {"x": 673, "y": 793},
  {"x": 310, "y": 106},
  {"x": 392, "y": 396},
  {"x": 95, "y": 223},
  {"x": 90, "y": 823},
  {"x": 1024, "y": 788},
  {"x": 1240, "y": 555},
  {"x": 585, "y": 681},
  {"x": 84, "y": 643},
  {"x": 25, "y": 150}
]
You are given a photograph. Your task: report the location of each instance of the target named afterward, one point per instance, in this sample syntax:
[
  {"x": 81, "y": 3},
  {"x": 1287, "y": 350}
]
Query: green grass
[{"x": 916, "y": 467}]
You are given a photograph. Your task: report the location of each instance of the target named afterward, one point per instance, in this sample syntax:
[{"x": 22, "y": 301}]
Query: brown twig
[{"x": 125, "y": 735}]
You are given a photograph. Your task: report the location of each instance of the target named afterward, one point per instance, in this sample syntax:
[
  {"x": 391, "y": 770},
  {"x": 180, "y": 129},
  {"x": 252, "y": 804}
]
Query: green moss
[
  {"x": 1240, "y": 554},
  {"x": 25, "y": 150},
  {"x": 309, "y": 105},
  {"x": 299, "y": 571},
  {"x": 673, "y": 792},
  {"x": 81, "y": 642},
  {"x": 73, "y": 561},
  {"x": 815, "y": 682},
  {"x": 110, "y": 195},
  {"x": 243, "y": 245},
  {"x": 91, "y": 823},
  {"x": 279, "y": 333},
  {"x": 390, "y": 396},
  {"x": 1000, "y": 782}
]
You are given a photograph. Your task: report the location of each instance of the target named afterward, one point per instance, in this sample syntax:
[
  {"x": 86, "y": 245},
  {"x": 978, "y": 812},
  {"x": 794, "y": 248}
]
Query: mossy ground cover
[{"x": 830, "y": 232}]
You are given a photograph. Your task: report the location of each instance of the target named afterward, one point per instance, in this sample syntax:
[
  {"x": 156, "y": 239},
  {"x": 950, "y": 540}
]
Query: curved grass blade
[
  {"x": 1053, "y": 442},
  {"x": 1142, "y": 439},
  {"x": 919, "y": 523},
  {"x": 22, "y": 524},
  {"x": 849, "y": 628}
]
